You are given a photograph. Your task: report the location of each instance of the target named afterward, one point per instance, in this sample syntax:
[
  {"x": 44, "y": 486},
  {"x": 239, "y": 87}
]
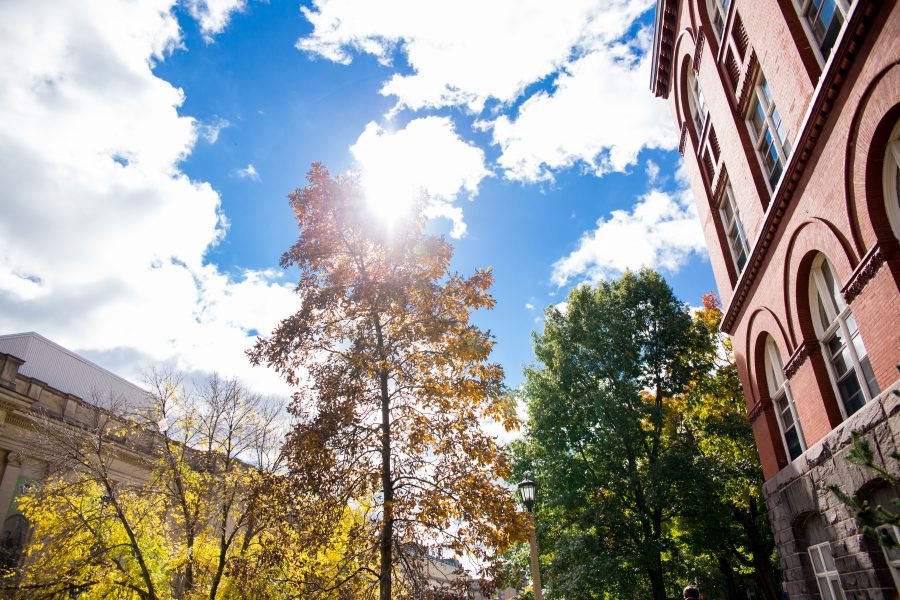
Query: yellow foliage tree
[{"x": 399, "y": 384}]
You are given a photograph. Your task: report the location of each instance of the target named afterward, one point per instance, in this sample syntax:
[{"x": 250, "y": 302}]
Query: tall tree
[
  {"x": 639, "y": 433},
  {"x": 732, "y": 524},
  {"x": 396, "y": 384},
  {"x": 600, "y": 432}
]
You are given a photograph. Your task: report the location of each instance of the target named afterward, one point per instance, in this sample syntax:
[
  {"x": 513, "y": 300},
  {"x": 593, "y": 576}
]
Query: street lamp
[{"x": 527, "y": 489}]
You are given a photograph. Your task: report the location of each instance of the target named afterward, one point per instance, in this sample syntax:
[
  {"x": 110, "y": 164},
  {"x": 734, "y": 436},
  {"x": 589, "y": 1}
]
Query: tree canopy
[
  {"x": 393, "y": 384},
  {"x": 638, "y": 437}
]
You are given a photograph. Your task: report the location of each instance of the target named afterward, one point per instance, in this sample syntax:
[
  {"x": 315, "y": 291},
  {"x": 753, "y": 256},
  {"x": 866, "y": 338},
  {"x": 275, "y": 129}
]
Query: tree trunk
[
  {"x": 760, "y": 550},
  {"x": 387, "y": 484},
  {"x": 655, "y": 571},
  {"x": 387, "y": 530},
  {"x": 657, "y": 585},
  {"x": 725, "y": 568}
]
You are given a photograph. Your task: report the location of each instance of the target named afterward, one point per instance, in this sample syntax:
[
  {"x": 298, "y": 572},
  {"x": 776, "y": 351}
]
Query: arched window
[
  {"x": 848, "y": 362},
  {"x": 718, "y": 14},
  {"x": 696, "y": 101},
  {"x": 734, "y": 229},
  {"x": 12, "y": 541},
  {"x": 892, "y": 180},
  {"x": 783, "y": 401},
  {"x": 814, "y": 538}
]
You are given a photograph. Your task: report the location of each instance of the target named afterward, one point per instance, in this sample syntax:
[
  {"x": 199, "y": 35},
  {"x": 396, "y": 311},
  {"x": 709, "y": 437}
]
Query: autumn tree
[
  {"x": 153, "y": 500},
  {"x": 394, "y": 384},
  {"x": 638, "y": 436}
]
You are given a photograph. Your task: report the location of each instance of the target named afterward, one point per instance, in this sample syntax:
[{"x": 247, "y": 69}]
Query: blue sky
[{"x": 148, "y": 148}]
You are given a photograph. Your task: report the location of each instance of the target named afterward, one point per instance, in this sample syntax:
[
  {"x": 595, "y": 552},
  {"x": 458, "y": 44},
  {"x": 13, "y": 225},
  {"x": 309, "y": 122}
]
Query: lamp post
[{"x": 527, "y": 488}]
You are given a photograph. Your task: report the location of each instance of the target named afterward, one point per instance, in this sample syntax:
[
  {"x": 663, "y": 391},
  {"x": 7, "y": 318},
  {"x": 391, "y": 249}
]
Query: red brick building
[{"x": 790, "y": 130}]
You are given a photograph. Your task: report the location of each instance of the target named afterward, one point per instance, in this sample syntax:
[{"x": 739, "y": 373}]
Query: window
[
  {"x": 783, "y": 401},
  {"x": 734, "y": 229},
  {"x": 826, "y": 572},
  {"x": 892, "y": 555},
  {"x": 823, "y": 20},
  {"x": 697, "y": 102},
  {"x": 769, "y": 135},
  {"x": 842, "y": 344},
  {"x": 718, "y": 14},
  {"x": 892, "y": 180}
]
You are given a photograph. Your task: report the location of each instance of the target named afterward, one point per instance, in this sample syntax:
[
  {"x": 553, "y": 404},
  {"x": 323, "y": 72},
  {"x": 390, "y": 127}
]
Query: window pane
[
  {"x": 775, "y": 175},
  {"x": 816, "y": 561},
  {"x": 828, "y": 558},
  {"x": 766, "y": 91},
  {"x": 758, "y": 118},
  {"x": 851, "y": 393},
  {"x": 832, "y": 287},
  {"x": 823, "y": 314},
  {"x": 836, "y": 588},
  {"x": 834, "y": 27},
  {"x": 793, "y": 443},
  {"x": 840, "y": 355},
  {"x": 869, "y": 376},
  {"x": 825, "y": 588}
]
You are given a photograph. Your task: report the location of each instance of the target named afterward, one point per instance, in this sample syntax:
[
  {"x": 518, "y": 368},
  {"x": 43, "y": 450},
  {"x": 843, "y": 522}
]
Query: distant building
[
  {"x": 36, "y": 373},
  {"x": 789, "y": 113}
]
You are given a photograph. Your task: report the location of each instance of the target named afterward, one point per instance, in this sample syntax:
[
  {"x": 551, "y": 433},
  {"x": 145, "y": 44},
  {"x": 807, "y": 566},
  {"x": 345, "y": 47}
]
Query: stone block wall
[{"x": 802, "y": 490}]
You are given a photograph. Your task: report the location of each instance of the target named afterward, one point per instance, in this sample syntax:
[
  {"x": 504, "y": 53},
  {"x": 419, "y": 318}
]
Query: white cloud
[
  {"x": 529, "y": 306},
  {"x": 662, "y": 231},
  {"x": 426, "y": 155},
  {"x": 652, "y": 172},
  {"x": 599, "y": 115},
  {"x": 102, "y": 237},
  {"x": 210, "y": 131},
  {"x": 248, "y": 172},
  {"x": 466, "y": 51},
  {"x": 213, "y": 15}
]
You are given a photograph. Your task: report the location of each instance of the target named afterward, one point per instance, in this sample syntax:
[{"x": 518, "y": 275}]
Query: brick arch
[
  {"x": 685, "y": 45},
  {"x": 812, "y": 237},
  {"x": 875, "y": 118},
  {"x": 763, "y": 324}
]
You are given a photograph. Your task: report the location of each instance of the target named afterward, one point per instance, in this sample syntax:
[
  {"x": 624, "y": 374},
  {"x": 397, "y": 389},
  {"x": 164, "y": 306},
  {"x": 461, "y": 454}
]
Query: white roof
[{"x": 66, "y": 371}]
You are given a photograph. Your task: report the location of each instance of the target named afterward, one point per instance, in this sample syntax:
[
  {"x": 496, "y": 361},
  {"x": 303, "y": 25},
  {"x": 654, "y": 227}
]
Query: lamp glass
[{"x": 526, "y": 488}]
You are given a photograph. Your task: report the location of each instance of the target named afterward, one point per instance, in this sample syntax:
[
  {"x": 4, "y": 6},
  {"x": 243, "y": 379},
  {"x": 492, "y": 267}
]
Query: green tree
[
  {"x": 731, "y": 525},
  {"x": 396, "y": 385},
  {"x": 600, "y": 436},
  {"x": 638, "y": 434}
]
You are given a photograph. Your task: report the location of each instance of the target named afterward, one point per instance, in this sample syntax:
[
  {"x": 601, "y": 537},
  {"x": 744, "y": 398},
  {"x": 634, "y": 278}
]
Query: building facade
[{"x": 789, "y": 112}]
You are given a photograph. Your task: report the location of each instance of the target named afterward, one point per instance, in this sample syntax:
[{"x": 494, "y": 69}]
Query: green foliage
[
  {"x": 872, "y": 518},
  {"x": 638, "y": 437}
]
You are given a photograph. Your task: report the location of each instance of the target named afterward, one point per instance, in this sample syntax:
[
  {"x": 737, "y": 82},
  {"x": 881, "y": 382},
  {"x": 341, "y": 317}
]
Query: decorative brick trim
[
  {"x": 860, "y": 21},
  {"x": 718, "y": 190},
  {"x": 663, "y": 46},
  {"x": 698, "y": 51},
  {"x": 683, "y": 141},
  {"x": 863, "y": 274},
  {"x": 745, "y": 89},
  {"x": 803, "y": 351},
  {"x": 758, "y": 409}
]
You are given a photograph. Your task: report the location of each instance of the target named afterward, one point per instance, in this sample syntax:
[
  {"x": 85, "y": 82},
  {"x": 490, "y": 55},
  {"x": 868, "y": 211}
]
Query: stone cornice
[
  {"x": 684, "y": 135},
  {"x": 859, "y": 21},
  {"x": 863, "y": 274}
]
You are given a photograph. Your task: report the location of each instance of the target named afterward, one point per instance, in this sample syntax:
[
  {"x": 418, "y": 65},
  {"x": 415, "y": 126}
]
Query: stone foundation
[{"x": 804, "y": 511}]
